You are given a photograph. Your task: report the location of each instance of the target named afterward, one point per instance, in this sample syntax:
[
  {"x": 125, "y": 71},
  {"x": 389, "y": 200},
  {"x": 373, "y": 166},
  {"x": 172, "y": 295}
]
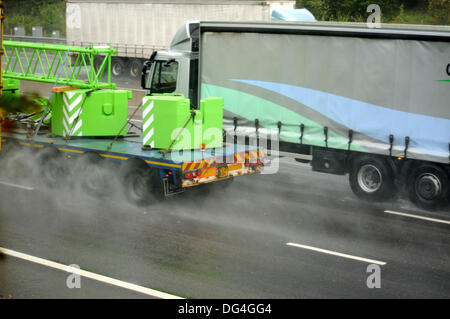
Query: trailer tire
[
  {"x": 371, "y": 178},
  {"x": 142, "y": 184},
  {"x": 117, "y": 67},
  {"x": 428, "y": 186},
  {"x": 52, "y": 167},
  {"x": 135, "y": 68}
]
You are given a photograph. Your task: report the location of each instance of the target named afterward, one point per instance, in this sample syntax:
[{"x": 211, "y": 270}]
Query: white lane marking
[
  {"x": 418, "y": 217},
  {"x": 28, "y": 188},
  {"x": 88, "y": 274},
  {"x": 372, "y": 261},
  {"x": 134, "y": 120}
]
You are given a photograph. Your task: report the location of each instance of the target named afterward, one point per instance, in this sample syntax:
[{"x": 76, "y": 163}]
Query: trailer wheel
[
  {"x": 371, "y": 178},
  {"x": 428, "y": 186},
  {"x": 142, "y": 184},
  {"x": 52, "y": 167},
  {"x": 117, "y": 66},
  {"x": 92, "y": 174},
  {"x": 135, "y": 68}
]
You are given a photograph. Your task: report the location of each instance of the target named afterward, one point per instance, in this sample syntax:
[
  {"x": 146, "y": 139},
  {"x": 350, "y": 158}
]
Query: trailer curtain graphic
[
  {"x": 427, "y": 133},
  {"x": 267, "y": 111}
]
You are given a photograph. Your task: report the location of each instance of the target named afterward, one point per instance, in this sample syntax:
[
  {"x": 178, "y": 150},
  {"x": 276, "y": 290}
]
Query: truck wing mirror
[
  {"x": 168, "y": 63},
  {"x": 147, "y": 65}
]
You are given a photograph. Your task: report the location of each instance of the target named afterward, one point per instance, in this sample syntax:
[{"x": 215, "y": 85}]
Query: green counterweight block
[
  {"x": 165, "y": 115},
  {"x": 90, "y": 113},
  {"x": 212, "y": 110},
  {"x": 11, "y": 89}
]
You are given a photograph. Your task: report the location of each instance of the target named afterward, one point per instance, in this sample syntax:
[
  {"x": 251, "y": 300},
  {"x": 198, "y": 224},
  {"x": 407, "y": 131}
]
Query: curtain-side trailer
[{"x": 370, "y": 103}]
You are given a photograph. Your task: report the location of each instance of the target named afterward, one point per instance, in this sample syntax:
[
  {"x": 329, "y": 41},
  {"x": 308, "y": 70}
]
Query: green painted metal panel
[
  {"x": 165, "y": 115},
  {"x": 212, "y": 111},
  {"x": 162, "y": 116},
  {"x": 11, "y": 89},
  {"x": 89, "y": 113}
]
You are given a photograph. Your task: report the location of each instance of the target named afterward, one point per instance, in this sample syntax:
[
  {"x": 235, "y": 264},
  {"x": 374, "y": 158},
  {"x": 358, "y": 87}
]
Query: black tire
[
  {"x": 52, "y": 167},
  {"x": 428, "y": 186},
  {"x": 135, "y": 68},
  {"x": 93, "y": 175},
  {"x": 142, "y": 184},
  {"x": 117, "y": 67},
  {"x": 371, "y": 178}
]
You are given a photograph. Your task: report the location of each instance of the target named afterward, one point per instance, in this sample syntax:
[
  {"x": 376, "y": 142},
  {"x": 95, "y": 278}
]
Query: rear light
[
  {"x": 190, "y": 175},
  {"x": 257, "y": 163}
]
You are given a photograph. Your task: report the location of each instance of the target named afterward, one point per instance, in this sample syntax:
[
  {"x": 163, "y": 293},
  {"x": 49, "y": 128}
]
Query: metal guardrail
[
  {"x": 35, "y": 39},
  {"x": 126, "y": 50}
]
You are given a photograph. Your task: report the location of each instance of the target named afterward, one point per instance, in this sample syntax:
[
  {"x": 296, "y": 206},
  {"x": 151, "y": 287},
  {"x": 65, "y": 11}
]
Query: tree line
[
  {"x": 51, "y": 14},
  {"x": 393, "y": 11}
]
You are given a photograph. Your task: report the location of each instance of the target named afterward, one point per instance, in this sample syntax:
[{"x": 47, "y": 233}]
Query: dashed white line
[
  {"x": 330, "y": 252},
  {"x": 28, "y": 188},
  {"x": 418, "y": 217},
  {"x": 88, "y": 274}
]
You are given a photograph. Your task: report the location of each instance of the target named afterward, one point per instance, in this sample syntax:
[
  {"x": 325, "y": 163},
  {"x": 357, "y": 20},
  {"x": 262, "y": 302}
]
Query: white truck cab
[{"x": 176, "y": 70}]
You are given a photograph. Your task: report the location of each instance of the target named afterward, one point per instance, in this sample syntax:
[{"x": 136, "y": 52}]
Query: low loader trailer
[
  {"x": 145, "y": 175},
  {"x": 83, "y": 130}
]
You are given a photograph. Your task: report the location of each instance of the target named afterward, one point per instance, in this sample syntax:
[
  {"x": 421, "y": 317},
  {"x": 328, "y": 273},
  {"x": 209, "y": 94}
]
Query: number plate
[{"x": 223, "y": 171}]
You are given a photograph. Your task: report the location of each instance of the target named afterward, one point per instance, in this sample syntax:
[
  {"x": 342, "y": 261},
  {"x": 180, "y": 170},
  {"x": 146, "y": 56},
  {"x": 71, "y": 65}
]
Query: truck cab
[{"x": 176, "y": 70}]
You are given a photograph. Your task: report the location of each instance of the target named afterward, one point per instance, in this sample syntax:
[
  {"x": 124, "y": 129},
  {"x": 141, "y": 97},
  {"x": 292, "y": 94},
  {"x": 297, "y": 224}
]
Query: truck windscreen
[{"x": 164, "y": 78}]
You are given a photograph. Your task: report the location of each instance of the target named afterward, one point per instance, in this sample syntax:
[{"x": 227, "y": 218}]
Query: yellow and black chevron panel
[
  {"x": 238, "y": 158},
  {"x": 198, "y": 164}
]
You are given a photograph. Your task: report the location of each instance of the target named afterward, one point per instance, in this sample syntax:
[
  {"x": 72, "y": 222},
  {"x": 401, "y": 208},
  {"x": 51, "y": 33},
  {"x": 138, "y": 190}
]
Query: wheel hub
[
  {"x": 428, "y": 186},
  {"x": 117, "y": 69},
  {"x": 369, "y": 178},
  {"x": 134, "y": 70}
]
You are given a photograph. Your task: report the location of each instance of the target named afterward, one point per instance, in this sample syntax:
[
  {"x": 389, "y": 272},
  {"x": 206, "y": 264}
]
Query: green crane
[{"x": 48, "y": 63}]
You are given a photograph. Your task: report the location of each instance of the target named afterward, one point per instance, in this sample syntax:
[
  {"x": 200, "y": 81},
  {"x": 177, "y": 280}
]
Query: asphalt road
[{"x": 223, "y": 243}]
